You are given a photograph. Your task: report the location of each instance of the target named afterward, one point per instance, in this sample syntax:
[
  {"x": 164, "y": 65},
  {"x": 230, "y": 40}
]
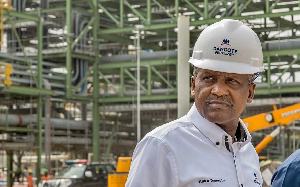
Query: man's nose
[{"x": 220, "y": 88}]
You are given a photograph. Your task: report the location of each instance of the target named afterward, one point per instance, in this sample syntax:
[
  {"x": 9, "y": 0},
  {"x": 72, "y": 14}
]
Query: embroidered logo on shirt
[
  {"x": 256, "y": 179},
  {"x": 211, "y": 180}
]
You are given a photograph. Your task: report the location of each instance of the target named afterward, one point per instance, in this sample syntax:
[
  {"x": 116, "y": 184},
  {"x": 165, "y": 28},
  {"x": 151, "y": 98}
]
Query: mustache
[{"x": 219, "y": 98}]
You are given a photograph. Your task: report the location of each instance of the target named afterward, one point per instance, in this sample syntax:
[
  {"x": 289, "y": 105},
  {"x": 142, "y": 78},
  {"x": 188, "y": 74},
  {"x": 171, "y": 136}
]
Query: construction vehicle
[
  {"x": 282, "y": 117},
  {"x": 119, "y": 178},
  {"x": 80, "y": 173}
]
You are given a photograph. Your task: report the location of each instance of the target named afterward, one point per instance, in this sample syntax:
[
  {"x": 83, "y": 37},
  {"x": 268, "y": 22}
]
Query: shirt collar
[
  {"x": 245, "y": 136},
  {"x": 212, "y": 131}
]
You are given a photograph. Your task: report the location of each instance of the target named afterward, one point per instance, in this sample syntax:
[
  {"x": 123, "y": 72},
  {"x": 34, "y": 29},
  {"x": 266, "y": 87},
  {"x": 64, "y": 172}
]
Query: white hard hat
[{"x": 228, "y": 46}]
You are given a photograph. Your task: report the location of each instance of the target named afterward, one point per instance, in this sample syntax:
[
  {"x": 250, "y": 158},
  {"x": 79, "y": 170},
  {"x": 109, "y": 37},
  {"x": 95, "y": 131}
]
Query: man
[
  {"x": 288, "y": 173},
  {"x": 46, "y": 175},
  {"x": 210, "y": 146},
  {"x": 29, "y": 179}
]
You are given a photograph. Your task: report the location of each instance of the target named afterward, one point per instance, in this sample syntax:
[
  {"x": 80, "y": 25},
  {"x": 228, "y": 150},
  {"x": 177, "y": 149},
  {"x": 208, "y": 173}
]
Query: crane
[{"x": 281, "y": 117}]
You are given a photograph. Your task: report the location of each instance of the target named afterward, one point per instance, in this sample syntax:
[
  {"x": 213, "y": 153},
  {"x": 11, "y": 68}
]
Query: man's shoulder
[
  {"x": 162, "y": 131},
  {"x": 288, "y": 172},
  {"x": 292, "y": 161}
]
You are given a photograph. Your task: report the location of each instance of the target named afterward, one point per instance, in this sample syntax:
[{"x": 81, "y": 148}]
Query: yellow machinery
[
  {"x": 282, "y": 117},
  {"x": 5, "y": 72},
  {"x": 119, "y": 178},
  {"x": 2, "y": 7}
]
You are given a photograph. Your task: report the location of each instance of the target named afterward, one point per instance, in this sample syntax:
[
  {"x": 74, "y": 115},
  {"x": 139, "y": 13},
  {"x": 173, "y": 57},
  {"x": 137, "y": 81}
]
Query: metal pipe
[
  {"x": 282, "y": 44},
  {"x": 25, "y": 120},
  {"x": 143, "y": 56},
  {"x": 17, "y": 72},
  {"x": 267, "y": 46},
  {"x": 26, "y": 81},
  {"x": 30, "y": 61}
]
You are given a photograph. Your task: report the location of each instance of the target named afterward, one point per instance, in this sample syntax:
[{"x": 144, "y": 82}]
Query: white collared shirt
[{"x": 192, "y": 152}]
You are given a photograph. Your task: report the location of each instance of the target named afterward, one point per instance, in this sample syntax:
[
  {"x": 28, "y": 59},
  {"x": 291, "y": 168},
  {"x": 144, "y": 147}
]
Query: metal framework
[{"x": 86, "y": 51}]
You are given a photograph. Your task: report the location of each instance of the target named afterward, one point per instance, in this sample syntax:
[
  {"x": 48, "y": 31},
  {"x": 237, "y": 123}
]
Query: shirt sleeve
[
  {"x": 287, "y": 176},
  {"x": 152, "y": 165}
]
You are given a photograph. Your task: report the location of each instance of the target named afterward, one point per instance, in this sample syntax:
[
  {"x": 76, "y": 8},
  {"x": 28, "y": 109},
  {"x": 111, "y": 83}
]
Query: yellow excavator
[
  {"x": 119, "y": 178},
  {"x": 281, "y": 117}
]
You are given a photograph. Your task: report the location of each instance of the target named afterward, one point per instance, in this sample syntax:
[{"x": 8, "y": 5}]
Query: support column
[
  {"x": 39, "y": 100},
  {"x": 121, "y": 13},
  {"x": 96, "y": 124},
  {"x": 269, "y": 72},
  {"x": 69, "y": 48},
  {"x": 149, "y": 12},
  {"x": 9, "y": 166},
  {"x": 183, "y": 66},
  {"x": 138, "y": 85}
]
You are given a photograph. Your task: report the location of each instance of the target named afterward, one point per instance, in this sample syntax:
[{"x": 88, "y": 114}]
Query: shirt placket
[
  {"x": 233, "y": 149},
  {"x": 238, "y": 165}
]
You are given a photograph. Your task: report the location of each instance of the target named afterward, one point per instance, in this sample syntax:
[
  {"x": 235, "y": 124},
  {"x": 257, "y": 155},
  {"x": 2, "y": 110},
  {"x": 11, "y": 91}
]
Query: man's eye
[
  {"x": 208, "y": 78},
  {"x": 233, "y": 81}
]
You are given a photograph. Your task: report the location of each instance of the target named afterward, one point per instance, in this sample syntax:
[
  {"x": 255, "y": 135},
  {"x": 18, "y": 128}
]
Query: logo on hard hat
[
  {"x": 225, "y": 42},
  {"x": 223, "y": 50}
]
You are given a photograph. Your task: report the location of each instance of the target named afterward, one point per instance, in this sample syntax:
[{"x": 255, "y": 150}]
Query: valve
[{"x": 5, "y": 72}]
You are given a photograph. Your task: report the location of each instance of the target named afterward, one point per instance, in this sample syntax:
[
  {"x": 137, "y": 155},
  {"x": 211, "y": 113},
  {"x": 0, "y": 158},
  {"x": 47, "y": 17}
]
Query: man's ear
[
  {"x": 192, "y": 86},
  {"x": 251, "y": 93}
]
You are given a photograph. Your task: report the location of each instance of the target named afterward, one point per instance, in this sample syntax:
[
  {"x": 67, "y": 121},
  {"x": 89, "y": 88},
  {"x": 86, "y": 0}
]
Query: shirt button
[{"x": 217, "y": 143}]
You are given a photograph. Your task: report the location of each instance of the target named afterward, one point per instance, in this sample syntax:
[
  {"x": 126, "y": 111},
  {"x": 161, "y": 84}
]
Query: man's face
[{"x": 221, "y": 97}]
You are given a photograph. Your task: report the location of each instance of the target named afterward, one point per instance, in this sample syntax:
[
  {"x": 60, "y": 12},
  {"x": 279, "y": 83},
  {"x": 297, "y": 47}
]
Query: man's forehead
[{"x": 204, "y": 71}]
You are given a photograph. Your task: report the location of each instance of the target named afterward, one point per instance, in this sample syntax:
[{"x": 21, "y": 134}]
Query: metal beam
[
  {"x": 143, "y": 63},
  {"x": 21, "y": 15},
  {"x": 271, "y": 91},
  {"x": 109, "y": 14},
  {"x": 143, "y": 98},
  {"x": 197, "y": 22},
  {"x": 27, "y": 91}
]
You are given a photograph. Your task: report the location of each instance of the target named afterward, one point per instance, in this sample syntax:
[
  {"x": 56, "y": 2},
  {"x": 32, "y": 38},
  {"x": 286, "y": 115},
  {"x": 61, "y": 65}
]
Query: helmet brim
[{"x": 225, "y": 66}]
